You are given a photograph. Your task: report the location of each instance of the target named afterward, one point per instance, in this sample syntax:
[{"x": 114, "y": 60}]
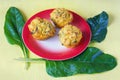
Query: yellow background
[{"x": 10, "y": 69}]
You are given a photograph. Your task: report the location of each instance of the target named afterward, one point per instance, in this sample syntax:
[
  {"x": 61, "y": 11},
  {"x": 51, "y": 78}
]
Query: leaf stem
[
  {"x": 31, "y": 59},
  {"x": 26, "y": 55}
]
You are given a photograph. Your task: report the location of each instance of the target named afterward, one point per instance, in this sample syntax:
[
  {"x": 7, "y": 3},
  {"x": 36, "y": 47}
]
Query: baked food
[
  {"x": 70, "y": 36},
  {"x": 61, "y": 17},
  {"x": 41, "y": 29}
]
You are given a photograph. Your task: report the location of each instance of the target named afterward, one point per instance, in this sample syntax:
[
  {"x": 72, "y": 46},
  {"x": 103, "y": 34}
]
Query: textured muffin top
[
  {"x": 61, "y": 17},
  {"x": 41, "y": 28},
  {"x": 70, "y": 36}
]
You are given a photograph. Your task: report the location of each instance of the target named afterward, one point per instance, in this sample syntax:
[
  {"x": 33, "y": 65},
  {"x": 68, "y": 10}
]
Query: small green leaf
[
  {"x": 92, "y": 60},
  {"x": 13, "y": 25},
  {"x": 98, "y": 25}
]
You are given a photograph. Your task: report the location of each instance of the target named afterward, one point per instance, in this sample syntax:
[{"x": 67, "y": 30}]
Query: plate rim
[{"x": 55, "y": 59}]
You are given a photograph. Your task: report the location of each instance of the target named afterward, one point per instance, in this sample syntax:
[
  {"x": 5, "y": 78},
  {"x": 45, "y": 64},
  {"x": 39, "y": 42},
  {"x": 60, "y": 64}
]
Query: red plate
[{"x": 51, "y": 48}]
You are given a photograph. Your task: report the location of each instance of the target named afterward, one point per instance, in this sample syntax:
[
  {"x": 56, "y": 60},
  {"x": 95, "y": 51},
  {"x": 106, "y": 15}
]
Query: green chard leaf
[
  {"x": 13, "y": 25},
  {"x": 92, "y": 60},
  {"x": 98, "y": 25}
]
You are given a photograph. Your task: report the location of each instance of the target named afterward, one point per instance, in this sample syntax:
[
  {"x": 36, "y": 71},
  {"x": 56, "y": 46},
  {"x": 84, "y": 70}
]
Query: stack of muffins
[{"x": 69, "y": 35}]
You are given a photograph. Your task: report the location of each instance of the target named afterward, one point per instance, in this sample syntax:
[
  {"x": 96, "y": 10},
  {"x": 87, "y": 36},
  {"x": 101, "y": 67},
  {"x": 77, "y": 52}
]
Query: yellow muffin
[
  {"x": 61, "y": 17},
  {"x": 41, "y": 29},
  {"x": 70, "y": 36}
]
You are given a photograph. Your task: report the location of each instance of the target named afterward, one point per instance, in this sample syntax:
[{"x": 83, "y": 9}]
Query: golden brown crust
[
  {"x": 70, "y": 36},
  {"x": 41, "y": 29},
  {"x": 61, "y": 17}
]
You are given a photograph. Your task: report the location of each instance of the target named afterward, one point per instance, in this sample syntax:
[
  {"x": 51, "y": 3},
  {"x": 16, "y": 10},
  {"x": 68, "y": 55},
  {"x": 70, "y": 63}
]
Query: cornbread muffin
[
  {"x": 70, "y": 36},
  {"x": 41, "y": 29},
  {"x": 61, "y": 17}
]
